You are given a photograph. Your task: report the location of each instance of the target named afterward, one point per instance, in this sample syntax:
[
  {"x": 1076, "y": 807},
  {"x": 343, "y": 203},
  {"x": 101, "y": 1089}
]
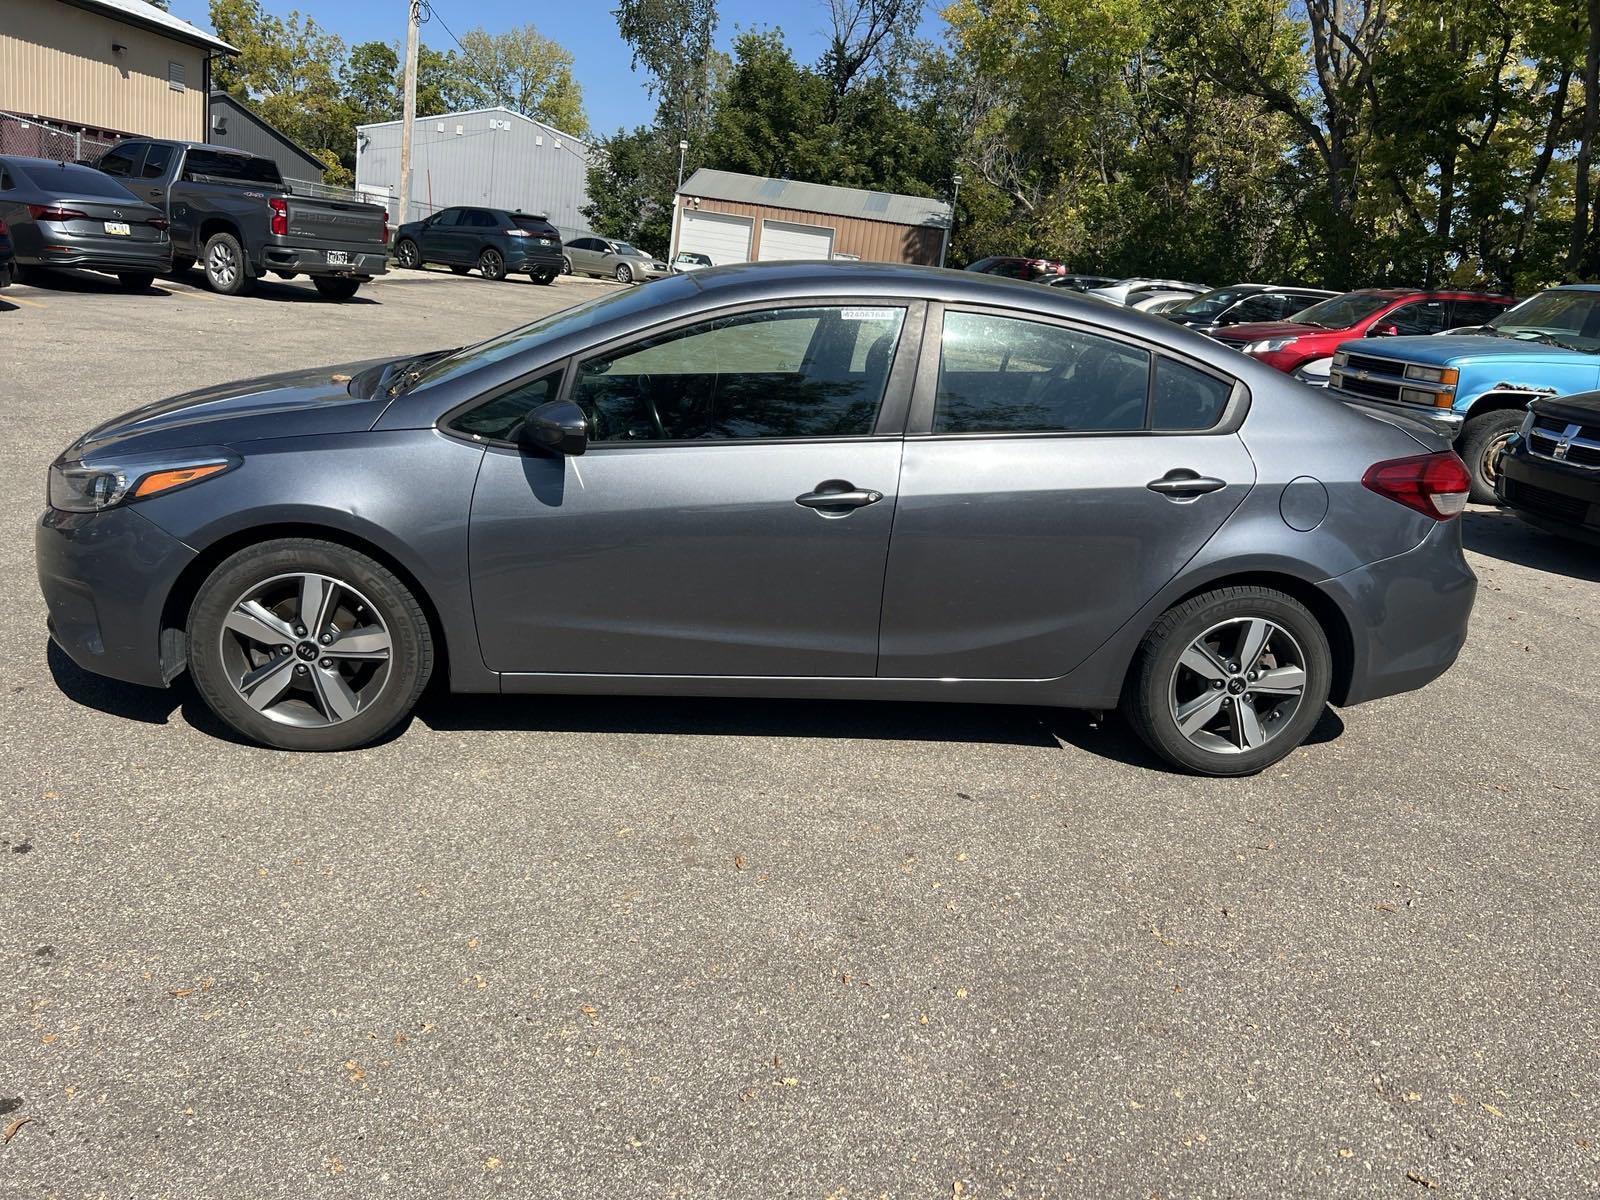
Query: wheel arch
[
  {"x": 1501, "y": 400},
  {"x": 181, "y": 596},
  {"x": 211, "y": 226}
]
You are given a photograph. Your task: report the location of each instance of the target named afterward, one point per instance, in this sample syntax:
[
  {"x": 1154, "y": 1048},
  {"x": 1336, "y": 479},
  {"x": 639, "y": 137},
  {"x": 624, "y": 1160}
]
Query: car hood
[
  {"x": 292, "y": 404},
  {"x": 1582, "y": 409},
  {"x": 1455, "y": 349},
  {"x": 1256, "y": 331}
]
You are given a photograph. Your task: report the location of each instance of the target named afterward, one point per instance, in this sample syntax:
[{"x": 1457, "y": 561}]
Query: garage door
[
  {"x": 722, "y": 239},
  {"x": 781, "y": 240}
]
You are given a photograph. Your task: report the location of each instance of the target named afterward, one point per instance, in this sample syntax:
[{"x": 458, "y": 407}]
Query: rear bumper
[
  {"x": 1408, "y": 615},
  {"x": 537, "y": 260},
  {"x": 1553, "y": 496},
  {"x": 105, "y": 578},
  {"x": 93, "y": 256},
  {"x": 364, "y": 260}
]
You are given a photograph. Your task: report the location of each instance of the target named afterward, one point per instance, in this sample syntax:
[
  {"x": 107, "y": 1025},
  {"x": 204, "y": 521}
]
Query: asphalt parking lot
[{"x": 641, "y": 948}]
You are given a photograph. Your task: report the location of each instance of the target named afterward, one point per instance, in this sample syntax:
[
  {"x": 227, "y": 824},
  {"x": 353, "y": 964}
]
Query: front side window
[
  {"x": 780, "y": 373},
  {"x": 121, "y": 161},
  {"x": 156, "y": 162},
  {"x": 447, "y": 218},
  {"x": 1007, "y": 375},
  {"x": 497, "y": 420}
]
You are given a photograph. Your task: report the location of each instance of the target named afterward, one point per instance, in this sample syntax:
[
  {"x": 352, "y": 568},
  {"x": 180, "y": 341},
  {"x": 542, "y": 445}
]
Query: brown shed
[{"x": 734, "y": 218}]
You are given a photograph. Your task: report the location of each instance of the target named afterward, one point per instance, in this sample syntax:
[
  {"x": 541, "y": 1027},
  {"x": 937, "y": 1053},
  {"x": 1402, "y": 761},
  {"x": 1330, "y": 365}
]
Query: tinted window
[
  {"x": 5, "y": 180},
  {"x": 497, "y": 419},
  {"x": 1001, "y": 375},
  {"x": 1256, "y": 308},
  {"x": 447, "y": 218},
  {"x": 1418, "y": 317},
  {"x": 121, "y": 161},
  {"x": 1341, "y": 312},
  {"x": 156, "y": 162},
  {"x": 1476, "y": 312},
  {"x": 235, "y": 168},
  {"x": 73, "y": 180},
  {"x": 479, "y": 219},
  {"x": 791, "y": 372},
  {"x": 535, "y": 225},
  {"x": 1007, "y": 268},
  {"x": 1186, "y": 398}
]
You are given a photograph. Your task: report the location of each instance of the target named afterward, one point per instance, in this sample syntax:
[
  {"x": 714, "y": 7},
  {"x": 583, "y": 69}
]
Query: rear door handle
[
  {"x": 1183, "y": 484},
  {"x": 839, "y": 496}
]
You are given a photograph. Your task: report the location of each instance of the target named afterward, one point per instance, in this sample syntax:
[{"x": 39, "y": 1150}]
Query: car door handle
[
  {"x": 838, "y": 495},
  {"x": 1183, "y": 484}
]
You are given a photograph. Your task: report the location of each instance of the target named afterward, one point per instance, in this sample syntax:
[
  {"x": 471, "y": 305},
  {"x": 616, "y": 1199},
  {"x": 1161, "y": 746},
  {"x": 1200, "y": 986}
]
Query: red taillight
[
  {"x": 3, "y": 229},
  {"x": 46, "y": 212},
  {"x": 1436, "y": 485},
  {"x": 157, "y": 222},
  {"x": 385, "y": 227},
  {"x": 279, "y": 223}
]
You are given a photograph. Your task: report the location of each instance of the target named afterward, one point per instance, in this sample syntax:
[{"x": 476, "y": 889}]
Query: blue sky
[{"x": 613, "y": 94}]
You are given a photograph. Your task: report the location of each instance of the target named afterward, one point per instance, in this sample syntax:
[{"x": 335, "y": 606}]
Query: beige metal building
[
  {"x": 734, "y": 218},
  {"x": 106, "y": 67}
]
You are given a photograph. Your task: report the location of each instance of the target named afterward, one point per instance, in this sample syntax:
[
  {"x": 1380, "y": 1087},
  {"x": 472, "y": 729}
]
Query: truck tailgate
[{"x": 335, "y": 222}]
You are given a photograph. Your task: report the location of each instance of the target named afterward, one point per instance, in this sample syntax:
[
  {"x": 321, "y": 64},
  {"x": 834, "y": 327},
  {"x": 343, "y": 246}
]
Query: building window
[{"x": 175, "y": 76}]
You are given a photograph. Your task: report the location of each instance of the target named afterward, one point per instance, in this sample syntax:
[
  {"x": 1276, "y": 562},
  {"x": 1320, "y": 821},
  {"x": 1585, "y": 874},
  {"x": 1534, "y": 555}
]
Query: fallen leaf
[
  {"x": 589, "y": 1011},
  {"x": 335, "y": 1167},
  {"x": 962, "y": 857},
  {"x": 1457, "y": 1100},
  {"x": 1423, "y": 1180},
  {"x": 472, "y": 943},
  {"x": 400, "y": 1039},
  {"x": 180, "y": 993},
  {"x": 961, "y": 993},
  {"x": 1413, "y": 1097},
  {"x": 790, "y": 1081},
  {"x": 11, "y": 1129},
  {"x": 1491, "y": 1109},
  {"x": 1345, "y": 1152},
  {"x": 738, "y": 862},
  {"x": 491, "y": 1163}
]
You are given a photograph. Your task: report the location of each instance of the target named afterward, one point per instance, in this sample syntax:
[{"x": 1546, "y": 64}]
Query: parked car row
[{"x": 152, "y": 206}]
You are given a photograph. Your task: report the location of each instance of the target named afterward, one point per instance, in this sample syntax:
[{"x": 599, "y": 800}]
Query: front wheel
[
  {"x": 491, "y": 265},
  {"x": 336, "y": 287},
  {"x": 1229, "y": 682},
  {"x": 136, "y": 281},
  {"x": 305, "y": 644},
  {"x": 1481, "y": 442},
  {"x": 624, "y": 273},
  {"x": 224, "y": 265}
]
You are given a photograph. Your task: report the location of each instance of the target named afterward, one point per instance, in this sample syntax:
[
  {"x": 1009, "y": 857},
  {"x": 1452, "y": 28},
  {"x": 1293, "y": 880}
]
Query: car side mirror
[
  {"x": 556, "y": 427},
  {"x": 1384, "y": 331}
]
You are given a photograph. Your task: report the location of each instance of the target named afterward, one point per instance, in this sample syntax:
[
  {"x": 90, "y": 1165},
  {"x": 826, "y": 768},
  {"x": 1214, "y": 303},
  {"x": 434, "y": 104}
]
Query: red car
[
  {"x": 1303, "y": 346},
  {"x": 1017, "y": 268}
]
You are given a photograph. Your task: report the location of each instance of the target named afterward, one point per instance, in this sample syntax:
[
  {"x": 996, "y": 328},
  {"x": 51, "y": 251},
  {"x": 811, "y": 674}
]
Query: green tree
[{"x": 527, "y": 73}]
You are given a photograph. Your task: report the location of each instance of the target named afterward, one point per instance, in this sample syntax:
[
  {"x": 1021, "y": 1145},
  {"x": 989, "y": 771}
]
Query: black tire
[
  {"x": 335, "y": 287},
  {"x": 492, "y": 264},
  {"x": 1147, "y": 701},
  {"x": 459, "y": 270},
  {"x": 545, "y": 279},
  {"x": 407, "y": 255},
  {"x": 409, "y": 665},
  {"x": 223, "y": 261},
  {"x": 182, "y": 264},
  {"x": 624, "y": 273},
  {"x": 1480, "y": 444},
  {"x": 136, "y": 281},
  {"x": 566, "y": 265}
]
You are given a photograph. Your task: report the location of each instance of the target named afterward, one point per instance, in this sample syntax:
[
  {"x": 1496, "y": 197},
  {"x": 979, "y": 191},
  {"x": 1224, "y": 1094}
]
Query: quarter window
[
  {"x": 1185, "y": 398},
  {"x": 1004, "y": 375},
  {"x": 497, "y": 420},
  {"x": 781, "y": 373}
]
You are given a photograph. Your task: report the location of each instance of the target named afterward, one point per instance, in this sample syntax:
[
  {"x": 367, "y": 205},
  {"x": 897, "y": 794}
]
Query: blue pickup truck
[{"x": 1475, "y": 385}]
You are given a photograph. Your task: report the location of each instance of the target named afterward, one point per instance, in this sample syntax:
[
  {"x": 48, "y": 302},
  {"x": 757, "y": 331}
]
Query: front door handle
[
  {"x": 835, "y": 497},
  {"x": 1183, "y": 484}
]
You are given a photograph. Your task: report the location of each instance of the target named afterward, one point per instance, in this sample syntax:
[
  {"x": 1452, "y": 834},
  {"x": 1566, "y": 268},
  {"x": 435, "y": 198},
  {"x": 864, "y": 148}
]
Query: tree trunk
[
  {"x": 1577, "y": 253},
  {"x": 1530, "y": 194}
]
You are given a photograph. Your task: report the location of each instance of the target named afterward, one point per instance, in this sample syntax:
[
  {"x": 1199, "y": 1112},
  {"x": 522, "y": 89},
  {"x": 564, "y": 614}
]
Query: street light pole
[
  {"x": 955, "y": 194},
  {"x": 683, "y": 149}
]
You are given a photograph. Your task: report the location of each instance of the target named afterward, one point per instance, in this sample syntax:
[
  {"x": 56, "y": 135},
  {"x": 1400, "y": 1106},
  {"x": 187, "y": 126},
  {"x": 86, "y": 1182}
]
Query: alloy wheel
[
  {"x": 222, "y": 264},
  {"x": 306, "y": 650},
  {"x": 1238, "y": 685},
  {"x": 491, "y": 265},
  {"x": 408, "y": 254},
  {"x": 624, "y": 274}
]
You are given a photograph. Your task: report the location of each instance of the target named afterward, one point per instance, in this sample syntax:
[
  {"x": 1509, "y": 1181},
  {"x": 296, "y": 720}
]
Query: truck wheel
[
  {"x": 335, "y": 288},
  {"x": 491, "y": 265},
  {"x": 136, "y": 281},
  {"x": 407, "y": 254},
  {"x": 181, "y": 264},
  {"x": 224, "y": 265},
  {"x": 1480, "y": 445}
]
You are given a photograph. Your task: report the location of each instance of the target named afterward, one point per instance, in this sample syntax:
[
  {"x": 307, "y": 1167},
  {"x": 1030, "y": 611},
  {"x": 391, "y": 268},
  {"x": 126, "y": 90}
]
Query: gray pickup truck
[{"x": 232, "y": 212}]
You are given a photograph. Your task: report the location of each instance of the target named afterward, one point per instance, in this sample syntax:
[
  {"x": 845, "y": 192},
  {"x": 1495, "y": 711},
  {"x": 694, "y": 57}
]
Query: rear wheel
[
  {"x": 491, "y": 264},
  {"x": 1481, "y": 442},
  {"x": 1229, "y": 682},
  {"x": 407, "y": 254},
  {"x": 136, "y": 281},
  {"x": 308, "y": 645},
  {"x": 225, "y": 266},
  {"x": 334, "y": 287},
  {"x": 547, "y": 278},
  {"x": 566, "y": 265}
]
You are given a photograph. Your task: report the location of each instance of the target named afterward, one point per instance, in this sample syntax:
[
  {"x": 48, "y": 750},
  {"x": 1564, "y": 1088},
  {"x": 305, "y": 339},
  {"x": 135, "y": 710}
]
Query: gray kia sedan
[{"x": 815, "y": 480}]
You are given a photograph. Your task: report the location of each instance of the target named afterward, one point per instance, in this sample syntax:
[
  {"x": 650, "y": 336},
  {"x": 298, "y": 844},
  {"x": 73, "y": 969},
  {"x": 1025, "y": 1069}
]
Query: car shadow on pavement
[
  {"x": 1497, "y": 533},
  {"x": 87, "y": 283},
  {"x": 282, "y": 291},
  {"x": 152, "y": 706},
  {"x": 740, "y": 718},
  {"x": 1109, "y": 736}
]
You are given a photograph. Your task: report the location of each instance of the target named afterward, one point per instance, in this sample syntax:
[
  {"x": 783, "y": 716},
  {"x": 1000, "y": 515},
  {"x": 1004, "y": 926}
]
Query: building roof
[
  {"x": 493, "y": 108},
  {"x": 248, "y": 111},
  {"x": 148, "y": 16},
  {"x": 817, "y": 198}
]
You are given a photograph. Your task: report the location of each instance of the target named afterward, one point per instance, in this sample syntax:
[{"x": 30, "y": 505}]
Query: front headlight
[
  {"x": 90, "y": 486},
  {"x": 1444, "y": 375},
  {"x": 1340, "y": 357},
  {"x": 1270, "y": 345}
]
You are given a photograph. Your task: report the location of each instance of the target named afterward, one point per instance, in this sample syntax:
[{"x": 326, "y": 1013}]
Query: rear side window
[
  {"x": 780, "y": 373},
  {"x": 1476, "y": 312},
  {"x": 478, "y": 219},
  {"x": 497, "y": 420},
  {"x": 1418, "y": 317},
  {"x": 1006, "y": 375},
  {"x": 1186, "y": 398},
  {"x": 235, "y": 168}
]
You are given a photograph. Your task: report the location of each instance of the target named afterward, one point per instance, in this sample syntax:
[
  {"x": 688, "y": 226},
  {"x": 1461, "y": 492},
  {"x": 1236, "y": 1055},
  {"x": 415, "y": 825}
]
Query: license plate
[
  {"x": 338, "y": 258},
  {"x": 120, "y": 228}
]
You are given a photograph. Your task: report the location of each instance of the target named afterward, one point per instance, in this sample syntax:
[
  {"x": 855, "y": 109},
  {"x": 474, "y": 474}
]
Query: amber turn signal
[{"x": 163, "y": 481}]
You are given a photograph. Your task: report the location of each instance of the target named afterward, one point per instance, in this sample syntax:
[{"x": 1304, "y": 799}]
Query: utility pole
[
  {"x": 408, "y": 116},
  {"x": 944, "y": 246}
]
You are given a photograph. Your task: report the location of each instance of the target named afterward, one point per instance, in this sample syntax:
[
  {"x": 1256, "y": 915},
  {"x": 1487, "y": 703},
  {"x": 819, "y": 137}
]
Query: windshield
[
  {"x": 1565, "y": 317},
  {"x": 1212, "y": 303},
  {"x": 1342, "y": 311},
  {"x": 624, "y": 248},
  {"x": 525, "y": 337}
]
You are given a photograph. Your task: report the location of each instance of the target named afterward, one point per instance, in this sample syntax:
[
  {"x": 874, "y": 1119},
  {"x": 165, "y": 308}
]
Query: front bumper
[
  {"x": 1558, "y": 497},
  {"x": 1446, "y": 420},
  {"x": 106, "y": 577},
  {"x": 1408, "y": 615},
  {"x": 364, "y": 261}
]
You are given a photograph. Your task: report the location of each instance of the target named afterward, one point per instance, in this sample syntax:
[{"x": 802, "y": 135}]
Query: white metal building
[{"x": 488, "y": 156}]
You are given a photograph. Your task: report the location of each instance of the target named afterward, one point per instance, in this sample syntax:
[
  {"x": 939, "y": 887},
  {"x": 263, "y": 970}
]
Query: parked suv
[
  {"x": 1244, "y": 302},
  {"x": 233, "y": 213},
  {"x": 1304, "y": 346},
  {"x": 592, "y": 255},
  {"x": 1475, "y": 386},
  {"x": 497, "y": 242},
  {"x": 1549, "y": 473}
]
